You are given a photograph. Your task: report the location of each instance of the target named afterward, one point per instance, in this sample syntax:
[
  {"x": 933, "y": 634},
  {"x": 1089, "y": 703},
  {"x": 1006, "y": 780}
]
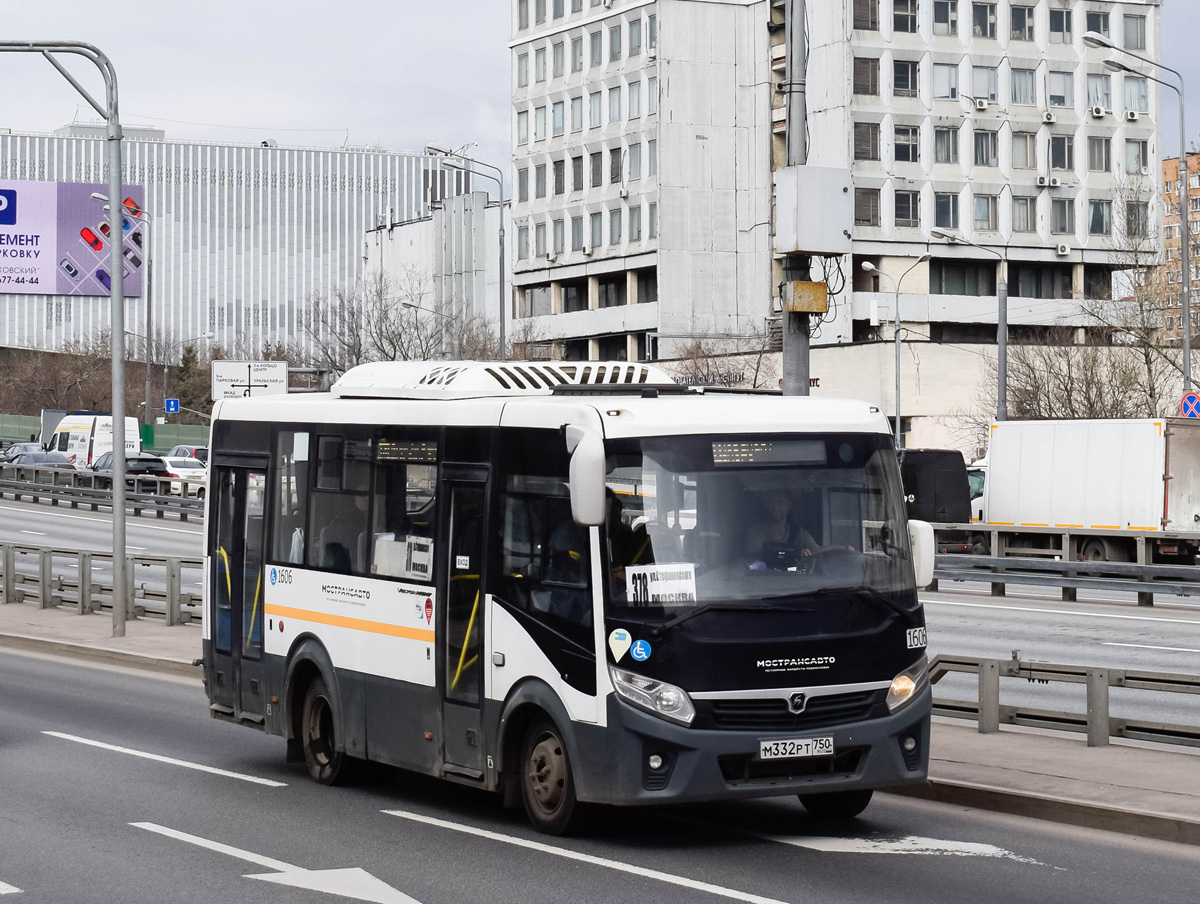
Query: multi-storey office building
[
  {"x": 1167, "y": 280},
  {"x": 243, "y": 235}
]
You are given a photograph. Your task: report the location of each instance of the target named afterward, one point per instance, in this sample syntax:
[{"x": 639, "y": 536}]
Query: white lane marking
[
  {"x": 347, "y": 883},
  {"x": 1146, "y": 646},
  {"x": 907, "y": 844},
  {"x": 668, "y": 878},
  {"x": 36, "y": 533},
  {"x": 51, "y": 514},
  {"x": 212, "y": 770},
  {"x": 140, "y": 548},
  {"x": 9, "y": 889},
  {"x": 1147, "y": 618}
]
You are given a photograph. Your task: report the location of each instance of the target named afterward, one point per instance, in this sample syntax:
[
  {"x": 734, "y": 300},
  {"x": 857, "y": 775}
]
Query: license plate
[{"x": 795, "y": 747}]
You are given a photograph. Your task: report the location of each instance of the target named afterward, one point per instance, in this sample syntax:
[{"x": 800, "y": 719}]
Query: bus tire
[
  {"x": 836, "y": 805},
  {"x": 326, "y": 764},
  {"x": 547, "y": 785}
]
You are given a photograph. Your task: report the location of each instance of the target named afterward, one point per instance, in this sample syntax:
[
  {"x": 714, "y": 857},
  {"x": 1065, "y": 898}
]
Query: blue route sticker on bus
[
  {"x": 640, "y": 650},
  {"x": 274, "y": 576}
]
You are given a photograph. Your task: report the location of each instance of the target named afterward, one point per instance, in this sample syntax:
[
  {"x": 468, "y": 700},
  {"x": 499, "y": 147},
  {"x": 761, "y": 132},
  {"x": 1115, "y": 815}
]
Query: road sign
[
  {"x": 171, "y": 405},
  {"x": 1189, "y": 405},
  {"x": 243, "y": 379}
]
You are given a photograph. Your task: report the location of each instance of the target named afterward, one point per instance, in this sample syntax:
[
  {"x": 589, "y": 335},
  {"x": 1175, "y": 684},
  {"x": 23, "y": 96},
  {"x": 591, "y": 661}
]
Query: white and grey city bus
[{"x": 570, "y": 583}]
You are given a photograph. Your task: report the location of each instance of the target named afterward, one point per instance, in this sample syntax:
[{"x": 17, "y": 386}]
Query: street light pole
[
  {"x": 149, "y": 336},
  {"x": 455, "y": 351},
  {"x": 896, "y": 283}
]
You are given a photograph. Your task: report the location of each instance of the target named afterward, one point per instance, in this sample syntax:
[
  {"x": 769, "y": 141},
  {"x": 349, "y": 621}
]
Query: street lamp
[
  {"x": 451, "y": 163},
  {"x": 455, "y": 353},
  {"x": 896, "y": 283},
  {"x": 149, "y": 337},
  {"x": 1001, "y": 319},
  {"x": 1096, "y": 40}
]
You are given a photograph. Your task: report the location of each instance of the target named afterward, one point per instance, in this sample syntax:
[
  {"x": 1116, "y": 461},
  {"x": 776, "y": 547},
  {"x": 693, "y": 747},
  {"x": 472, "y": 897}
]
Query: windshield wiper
[
  {"x": 700, "y": 610},
  {"x": 872, "y": 593}
]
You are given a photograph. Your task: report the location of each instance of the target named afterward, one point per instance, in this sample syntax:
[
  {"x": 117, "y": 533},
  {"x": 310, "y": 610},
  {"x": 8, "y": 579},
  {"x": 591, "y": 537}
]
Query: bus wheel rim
[{"x": 547, "y": 773}]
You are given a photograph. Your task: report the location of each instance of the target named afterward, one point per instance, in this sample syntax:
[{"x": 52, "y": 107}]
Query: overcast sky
[{"x": 400, "y": 73}]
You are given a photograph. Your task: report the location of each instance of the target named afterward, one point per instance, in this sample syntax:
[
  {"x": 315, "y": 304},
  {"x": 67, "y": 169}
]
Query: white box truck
[
  {"x": 85, "y": 437},
  {"x": 1111, "y": 490}
]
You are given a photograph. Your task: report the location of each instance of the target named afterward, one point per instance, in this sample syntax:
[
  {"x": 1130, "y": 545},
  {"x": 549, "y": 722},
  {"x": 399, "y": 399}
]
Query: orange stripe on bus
[{"x": 354, "y": 624}]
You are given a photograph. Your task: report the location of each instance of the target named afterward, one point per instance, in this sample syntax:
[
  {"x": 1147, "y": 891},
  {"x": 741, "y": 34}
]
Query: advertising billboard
[{"x": 55, "y": 239}]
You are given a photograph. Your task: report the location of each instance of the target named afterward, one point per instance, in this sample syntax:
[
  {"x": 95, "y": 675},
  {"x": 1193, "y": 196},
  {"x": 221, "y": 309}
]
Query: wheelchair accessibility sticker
[{"x": 640, "y": 650}]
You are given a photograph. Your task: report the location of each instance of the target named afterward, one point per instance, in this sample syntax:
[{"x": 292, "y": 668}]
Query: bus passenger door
[
  {"x": 237, "y": 587},
  {"x": 461, "y": 629}
]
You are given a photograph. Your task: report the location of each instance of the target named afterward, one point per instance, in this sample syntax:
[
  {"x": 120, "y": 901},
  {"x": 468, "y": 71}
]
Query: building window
[
  {"x": 597, "y": 162},
  {"x": 904, "y": 16},
  {"x": 614, "y": 43},
  {"x": 1100, "y": 218},
  {"x": 523, "y": 184},
  {"x": 1137, "y": 96},
  {"x": 866, "y": 14},
  {"x": 1024, "y": 87},
  {"x": 1099, "y": 91},
  {"x": 596, "y": 56},
  {"x": 1024, "y": 150},
  {"x": 1135, "y": 32},
  {"x": 866, "y": 207},
  {"x": 1062, "y": 152},
  {"x": 576, "y": 54},
  {"x": 539, "y": 181},
  {"x": 1024, "y": 214},
  {"x": 904, "y": 78},
  {"x": 1137, "y": 156},
  {"x": 614, "y": 166},
  {"x": 983, "y": 20},
  {"x": 945, "y": 211},
  {"x": 866, "y": 76},
  {"x": 539, "y": 240},
  {"x": 539, "y": 64},
  {"x": 635, "y": 223},
  {"x": 1099, "y": 155},
  {"x": 945, "y": 80},
  {"x": 652, "y": 32},
  {"x": 558, "y": 9},
  {"x": 523, "y": 243},
  {"x": 595, "y": 110},
  {"x": 1062, "y": 216},
  {"x": 523, "y": 127},
  {"x": 985, "y": 148},
  {"x": 635, "y": 100},
  {"x": 560, "y": 237},
  {"x": 651, "y": 96},
  {"x": 945, "y": 145},
  {"x": 1060, "y": 26},
  {"x": 576, "y": 114},
  {"x": 614, "y": 104},
  {"x": 522, "y": 13},
  {"x": 1022, "y": 23},
  {"x": 652, "y": 157},
  {"x": 985, "y": 82},
  {"x": 866, "y": 141},
  {"x": 1098, "y": 22},
  {"x": 1137, "y": 220},
  {"x": 522, "y": 70},
  {"x": 652, "y": 220},
  {"x": 539, "y": 15},
  {"x": 985, "y": 213},
  {"x": 635, "y": 162},
  {"x": 559, "y": 59},
  {"x": 596, "y": 227},
  {"x": 908, "y": 143},
  {"x": 1062, "y": 89},
  {"x": 559, "y": 114},
  {"x": 614, "y": 227},
  {"x": 908, "y": 208},
  {"x": 539, "y": 123},
  {"x": 577, "y": 174},
  {"x": 635, "y": 37},
  {"x": 945, "y": 17},
  {"x": 560, "y": 177}
]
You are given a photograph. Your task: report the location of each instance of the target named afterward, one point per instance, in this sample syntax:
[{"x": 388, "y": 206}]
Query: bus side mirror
[
  {"x": 920, "y": 536},
  {"x": 587, "y": 475}
]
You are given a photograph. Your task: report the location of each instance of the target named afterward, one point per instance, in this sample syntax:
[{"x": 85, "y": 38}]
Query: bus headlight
[
  {"x": 908, "y": 684},
  {"x": 656, "y": 697}
]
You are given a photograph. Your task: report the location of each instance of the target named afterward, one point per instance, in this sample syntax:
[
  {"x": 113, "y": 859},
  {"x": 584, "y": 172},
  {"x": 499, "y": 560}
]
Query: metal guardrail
[
  {"x": 1097, "y": 722},
  {"x": 90, "y": 490},
  {"x": 1071, "y": 576},
  {"x": 53, "y": 577}
]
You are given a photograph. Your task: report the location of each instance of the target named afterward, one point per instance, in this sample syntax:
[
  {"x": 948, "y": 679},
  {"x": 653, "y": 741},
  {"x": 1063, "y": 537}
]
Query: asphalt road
[
  {"x": 82, "y": 823},
  {"x": 45, "y": 525}
]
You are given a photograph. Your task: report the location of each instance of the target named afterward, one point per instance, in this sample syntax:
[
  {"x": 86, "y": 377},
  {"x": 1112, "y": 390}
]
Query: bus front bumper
[{"x": 711, "y": 765}]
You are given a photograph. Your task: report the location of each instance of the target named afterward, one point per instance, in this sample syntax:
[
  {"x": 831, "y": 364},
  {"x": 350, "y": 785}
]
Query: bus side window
[
  {"x": 291, "y": 496},
  {"x": 338, "y": 528},
  {"x": 403, "y": 509}
]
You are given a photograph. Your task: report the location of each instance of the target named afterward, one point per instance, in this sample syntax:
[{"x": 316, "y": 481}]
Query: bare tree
[{"x": 715, "y": 359}]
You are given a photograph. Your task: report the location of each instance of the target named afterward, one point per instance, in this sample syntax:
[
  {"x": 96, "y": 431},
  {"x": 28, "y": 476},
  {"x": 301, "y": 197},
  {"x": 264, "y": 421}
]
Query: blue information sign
[{"x": 172, "y": 406}]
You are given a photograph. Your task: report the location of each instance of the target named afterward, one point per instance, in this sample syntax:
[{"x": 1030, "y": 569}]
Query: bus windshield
[{"x": 716, "y": 522}]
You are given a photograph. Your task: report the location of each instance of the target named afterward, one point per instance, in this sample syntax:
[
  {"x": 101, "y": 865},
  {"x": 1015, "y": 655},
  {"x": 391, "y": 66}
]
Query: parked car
[
  {"x": 16, "y": 449},
  {"x": 200, "y": 452},
  {"x": 191, "y": 471},
  {"x": 137, "y": 465}
]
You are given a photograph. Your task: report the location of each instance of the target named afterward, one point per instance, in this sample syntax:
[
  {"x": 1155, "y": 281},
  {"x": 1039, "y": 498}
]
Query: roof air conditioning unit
[
  {"x": 981, "y": 103},
  {"x": 1042, "y": 181},
  {"x": 1062, "y": 250},
  {"x": 1132, "y": 115},
  {"x": 1049, "y": 117},
  {"x": 1055, "y": 182},
  {"x": 1098, "y": 112}
]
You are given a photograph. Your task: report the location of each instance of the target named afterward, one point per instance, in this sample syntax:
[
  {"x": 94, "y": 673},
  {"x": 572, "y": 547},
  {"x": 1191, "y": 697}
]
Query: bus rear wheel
[
  {"x": 547, "y": 785},
  {"x": 326, "y": 764},
  {"x": 836, "y": 805}
]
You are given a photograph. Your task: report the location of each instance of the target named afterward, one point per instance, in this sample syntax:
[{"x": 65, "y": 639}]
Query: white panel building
[{"x": 243, "y": 234}]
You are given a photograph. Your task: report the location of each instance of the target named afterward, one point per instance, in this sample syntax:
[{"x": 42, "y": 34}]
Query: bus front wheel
[
  {"x": 547, "y": 786},
  {"x": 836, "y": 804},
  {"x": 325, "y": 763}
]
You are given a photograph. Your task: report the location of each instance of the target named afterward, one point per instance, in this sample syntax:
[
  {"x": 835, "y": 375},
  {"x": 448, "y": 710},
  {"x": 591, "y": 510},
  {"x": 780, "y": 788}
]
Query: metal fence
[
  {"x": 166, "y": 586},
  {"x": 1097, "y": 721},
  {"x": 87, "y": 489}
]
